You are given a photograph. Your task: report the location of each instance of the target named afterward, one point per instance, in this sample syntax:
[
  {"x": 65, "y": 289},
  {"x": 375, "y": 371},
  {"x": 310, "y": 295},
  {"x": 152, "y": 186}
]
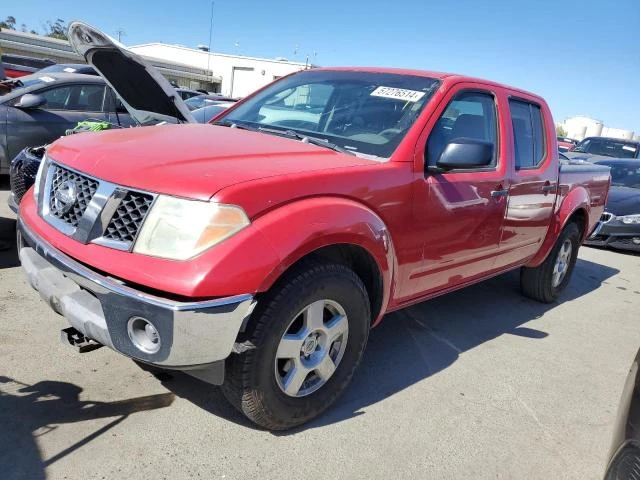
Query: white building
[
  {"x": 617, "y": 133},
  {"x": 239, "y": 75},
  {"x": 60, "y": 51},
  {"x": 580, "y": 127},
  {"x": 232, "y": 75}
]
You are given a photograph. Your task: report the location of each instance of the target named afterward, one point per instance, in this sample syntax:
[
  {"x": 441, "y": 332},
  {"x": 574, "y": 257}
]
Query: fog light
[
  {"x": 636, "y": 240},
  {"x": 143, "y": 334}
]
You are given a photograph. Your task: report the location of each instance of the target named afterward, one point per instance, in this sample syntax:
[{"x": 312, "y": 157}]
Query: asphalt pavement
[{"x": 480, "y": 383}]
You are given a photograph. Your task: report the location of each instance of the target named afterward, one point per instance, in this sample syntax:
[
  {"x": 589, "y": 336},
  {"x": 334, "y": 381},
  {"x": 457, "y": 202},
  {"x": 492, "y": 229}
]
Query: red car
[
  {"x": 258, "y": 251},
  {"x": 16, "y": 66},
  {"x": 565, "y": 143}
]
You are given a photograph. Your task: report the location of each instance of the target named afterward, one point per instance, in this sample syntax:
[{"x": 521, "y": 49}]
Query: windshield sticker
[
  {"x": 69, "y": 69},
  {"x": 629, "y": 147},
  {"x": 397, "y": 94},
  {"x": 47, "y": 79}
]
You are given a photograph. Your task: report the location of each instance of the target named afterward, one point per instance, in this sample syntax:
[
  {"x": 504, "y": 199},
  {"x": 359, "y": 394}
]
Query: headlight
[
  {"x": 630, "y": 219},
  {"x": 180, "y": 229}
]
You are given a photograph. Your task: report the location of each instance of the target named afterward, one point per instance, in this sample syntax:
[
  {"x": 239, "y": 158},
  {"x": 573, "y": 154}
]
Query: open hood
[{"x": 146, "y": 94}]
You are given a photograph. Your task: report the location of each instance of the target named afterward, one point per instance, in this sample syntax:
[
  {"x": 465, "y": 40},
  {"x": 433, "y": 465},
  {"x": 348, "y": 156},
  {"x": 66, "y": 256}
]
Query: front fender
[
  {"x": 297, "y": 229},
  {"x": 577, "y": 199}
]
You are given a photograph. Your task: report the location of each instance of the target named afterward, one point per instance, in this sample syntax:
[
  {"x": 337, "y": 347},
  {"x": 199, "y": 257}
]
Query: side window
[
  {"x": 113, "y": 103},
  {"x": 528, "y": 134},
  {"x": 90, "y": 98},
  {"x": 57, "y": 98},
  {"x": 87, "y": 98},
  {"x": 470, "y": 114}
]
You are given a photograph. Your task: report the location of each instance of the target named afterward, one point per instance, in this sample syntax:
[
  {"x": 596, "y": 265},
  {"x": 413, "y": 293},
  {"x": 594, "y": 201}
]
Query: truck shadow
[
  {"x": 412, "y": 344},
  {"x": 31, "y": 411}
]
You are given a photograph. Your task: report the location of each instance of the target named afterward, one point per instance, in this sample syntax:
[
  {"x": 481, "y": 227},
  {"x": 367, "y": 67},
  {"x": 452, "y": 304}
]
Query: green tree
[
  {"x": 560, "y": 131},
  {"x": 9, "y": 23},
  {"x": 57, "y": 29}
]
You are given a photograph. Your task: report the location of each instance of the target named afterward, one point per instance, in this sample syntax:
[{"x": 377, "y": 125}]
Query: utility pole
[
  {"x": 121, "y": 33},
  {"x": 210, "y": 38}
]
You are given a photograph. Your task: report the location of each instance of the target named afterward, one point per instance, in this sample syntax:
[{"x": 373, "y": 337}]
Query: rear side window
[{"x": 528, "y": 134}]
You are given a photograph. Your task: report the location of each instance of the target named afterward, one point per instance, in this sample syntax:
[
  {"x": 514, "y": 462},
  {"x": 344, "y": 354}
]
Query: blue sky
[{"x": 582, "y": 56}]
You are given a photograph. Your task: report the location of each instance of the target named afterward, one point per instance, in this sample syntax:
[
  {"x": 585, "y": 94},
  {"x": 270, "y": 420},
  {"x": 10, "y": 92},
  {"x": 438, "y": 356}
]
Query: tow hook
[{"x": 72, "y": 337}]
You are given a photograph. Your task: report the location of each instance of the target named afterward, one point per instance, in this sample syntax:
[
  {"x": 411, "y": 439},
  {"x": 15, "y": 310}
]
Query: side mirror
[
  {"x": 30, "y": 100},
  {"x": 465, "y": 153}
]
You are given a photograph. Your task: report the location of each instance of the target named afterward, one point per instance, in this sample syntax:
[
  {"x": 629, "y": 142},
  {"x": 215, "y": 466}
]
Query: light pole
[{"x": 210, "y": 37}]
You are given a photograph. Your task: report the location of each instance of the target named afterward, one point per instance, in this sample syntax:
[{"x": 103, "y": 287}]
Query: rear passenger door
[{"x": 533, "y": 182}]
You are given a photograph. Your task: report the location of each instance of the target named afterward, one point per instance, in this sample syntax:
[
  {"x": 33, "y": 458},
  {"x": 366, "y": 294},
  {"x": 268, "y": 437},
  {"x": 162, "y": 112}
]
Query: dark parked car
[
  {"x": 619, "y": 226},
  {"x": 601, "y": 148},
  {"x": 24, "y": 169},
  {"x": 142, "y": 92},
  {"x": 41, "y": 107},
  {"x": 624, "y": 456},
  {"x": 209, "y": 112},
  {"x": 203, "y": 100},
  {"x": 186, "y": 93},
  {"x": 70, "y": 68}
]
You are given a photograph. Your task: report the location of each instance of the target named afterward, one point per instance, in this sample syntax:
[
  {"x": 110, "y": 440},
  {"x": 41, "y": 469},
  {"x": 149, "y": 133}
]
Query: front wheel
[
  {"x": 307, "y": 338},
  {"x": 547, "y": 281}
]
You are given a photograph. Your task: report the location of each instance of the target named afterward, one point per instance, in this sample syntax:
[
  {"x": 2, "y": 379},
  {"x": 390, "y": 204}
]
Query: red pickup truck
[{"x": 258, "y": 251}]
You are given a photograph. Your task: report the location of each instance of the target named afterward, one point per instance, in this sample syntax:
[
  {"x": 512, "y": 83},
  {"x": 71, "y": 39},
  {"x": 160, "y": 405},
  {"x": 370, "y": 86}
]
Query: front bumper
[
  {"x": 615, "y": 234},
  {"x": 193, "y": 336}
]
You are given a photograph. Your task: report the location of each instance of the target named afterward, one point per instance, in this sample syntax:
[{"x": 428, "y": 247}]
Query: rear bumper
[{"x": 192, "y": 335}]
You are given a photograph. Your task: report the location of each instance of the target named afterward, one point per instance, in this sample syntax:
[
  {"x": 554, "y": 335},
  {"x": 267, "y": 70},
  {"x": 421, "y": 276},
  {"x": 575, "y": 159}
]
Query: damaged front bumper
[
  {"x": 192, "y": 336},
  {"x": 612, "y": 232}
]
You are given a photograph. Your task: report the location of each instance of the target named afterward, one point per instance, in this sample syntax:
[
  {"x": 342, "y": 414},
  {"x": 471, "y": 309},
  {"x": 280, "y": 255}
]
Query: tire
[
  {"x": 541, "y": 283},
  {"x": 256, "y": 380}
]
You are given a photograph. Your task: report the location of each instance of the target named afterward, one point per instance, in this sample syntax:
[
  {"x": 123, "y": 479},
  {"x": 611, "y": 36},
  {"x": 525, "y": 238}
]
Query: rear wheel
[
  {"x": 547, "y": 281},
  {"x": 307, "y": 338}
]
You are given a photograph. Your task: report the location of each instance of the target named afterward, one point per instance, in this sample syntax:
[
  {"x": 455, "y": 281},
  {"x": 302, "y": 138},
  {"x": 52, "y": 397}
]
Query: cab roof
[{"x": 451, "y": 78}]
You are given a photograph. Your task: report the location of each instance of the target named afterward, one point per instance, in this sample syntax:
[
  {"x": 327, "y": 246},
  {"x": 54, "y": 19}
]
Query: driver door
[{"x": 459, "y": 213}]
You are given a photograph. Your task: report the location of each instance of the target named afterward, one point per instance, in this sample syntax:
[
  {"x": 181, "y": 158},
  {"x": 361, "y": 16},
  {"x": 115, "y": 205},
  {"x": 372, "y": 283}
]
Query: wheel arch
[
  {"x": 342, "y": 231},
  {"x": 355, "y": 257},
  {"x": 575, "y": 207}
]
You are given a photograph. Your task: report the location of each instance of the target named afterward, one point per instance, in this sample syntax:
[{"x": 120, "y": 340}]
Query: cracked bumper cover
[{"x": 194, "y": 336}]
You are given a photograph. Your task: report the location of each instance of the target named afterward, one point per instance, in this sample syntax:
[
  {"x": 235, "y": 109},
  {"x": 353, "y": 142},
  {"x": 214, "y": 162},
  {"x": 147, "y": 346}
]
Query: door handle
[
  {"x": 548, "y": 187},
  {"x": 499, "y": 193}
]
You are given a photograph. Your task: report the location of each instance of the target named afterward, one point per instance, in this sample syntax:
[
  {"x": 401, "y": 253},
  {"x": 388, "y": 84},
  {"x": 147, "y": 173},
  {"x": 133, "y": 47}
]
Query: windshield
[
  {"x": 360, "y": 112},
  {"x": 608, "y": 147},
  {"x": 624, "y": 175}
]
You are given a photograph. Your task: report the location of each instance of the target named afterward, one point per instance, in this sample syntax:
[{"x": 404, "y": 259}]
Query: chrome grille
[
  {"x": 91, "y": 210},
  {"x": 127, "y": 219},
  {"x": 85, "y": 187}
]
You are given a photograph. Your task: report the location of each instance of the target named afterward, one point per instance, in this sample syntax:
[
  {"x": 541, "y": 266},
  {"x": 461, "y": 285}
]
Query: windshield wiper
[
  {"x": 306, "y": 139},
  {"x": 286, "y": 133},
  {"x": 227, "y": 123}
]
